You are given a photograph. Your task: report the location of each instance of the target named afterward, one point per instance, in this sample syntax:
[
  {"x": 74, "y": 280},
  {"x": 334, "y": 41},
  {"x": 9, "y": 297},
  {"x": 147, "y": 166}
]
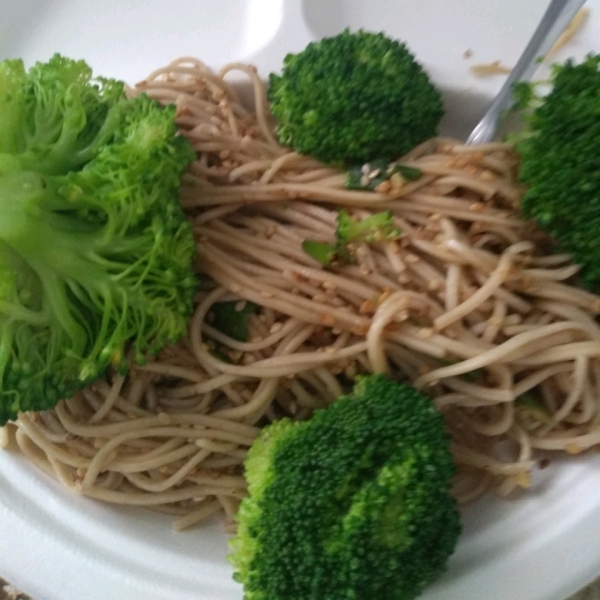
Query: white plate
[{"x": 56, "y": 546}]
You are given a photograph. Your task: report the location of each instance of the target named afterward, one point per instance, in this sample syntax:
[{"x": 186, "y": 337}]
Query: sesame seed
[
  {"x": 383, "y": 187},
  {"x": 367, "y": 307},
  {"x": 276, "y": 327},
  {"x": 327, "y": 319},
  {"x": 488, "y": 175},
  {"x": 477, "y": 207}
]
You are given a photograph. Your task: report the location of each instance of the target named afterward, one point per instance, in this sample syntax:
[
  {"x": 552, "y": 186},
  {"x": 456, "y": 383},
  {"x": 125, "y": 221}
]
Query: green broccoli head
[
  {"x": 560, "y": 162},
  {"x": 354, "y": 97},
  {"x": 353, "y": 503},
  {"x": 96, "y": 256}
]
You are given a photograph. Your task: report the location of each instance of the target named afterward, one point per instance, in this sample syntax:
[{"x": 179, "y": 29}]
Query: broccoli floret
[
  {"x": 560, "y": 162},
  {"x": 354, "y": 97},
  {"x": 353, "y": 503},
  {"x": 96, "y": 255}
]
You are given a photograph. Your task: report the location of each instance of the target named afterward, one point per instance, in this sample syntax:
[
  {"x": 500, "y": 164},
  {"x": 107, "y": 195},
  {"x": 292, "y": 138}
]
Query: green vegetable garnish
[
  {"x": 320, "y": 251},
  {"x": 531, "y": 412},
  {"x": 371, "y": 175},
  {"x": 408, "y": 173},
  {"x": 374, "y": 228},
  {"x": 231, "y": 318}
]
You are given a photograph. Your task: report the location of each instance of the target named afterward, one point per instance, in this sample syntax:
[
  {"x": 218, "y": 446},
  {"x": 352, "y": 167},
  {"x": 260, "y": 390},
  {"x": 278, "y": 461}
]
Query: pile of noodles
[{"x": 469, "y": 304}]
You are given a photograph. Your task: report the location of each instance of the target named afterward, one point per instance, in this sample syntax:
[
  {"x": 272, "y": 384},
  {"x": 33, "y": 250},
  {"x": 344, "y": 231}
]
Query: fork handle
[{"x": 556, "y": 18}]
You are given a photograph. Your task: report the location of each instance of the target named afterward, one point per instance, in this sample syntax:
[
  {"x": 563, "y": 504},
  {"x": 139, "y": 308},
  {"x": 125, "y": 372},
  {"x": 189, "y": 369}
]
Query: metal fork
[{"x": 557, "y": 16}]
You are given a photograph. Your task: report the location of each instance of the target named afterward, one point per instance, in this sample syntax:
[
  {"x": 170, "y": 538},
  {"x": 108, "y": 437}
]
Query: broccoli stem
[
  {"x": 76, "y": 273},
  {"x": 64, "y": 156},
  {"x": 6, "y": 343},
  {"x": 12, "y": 78},
  {"x": 54, "y": 254},
  {"x": 21, "y": 313}
]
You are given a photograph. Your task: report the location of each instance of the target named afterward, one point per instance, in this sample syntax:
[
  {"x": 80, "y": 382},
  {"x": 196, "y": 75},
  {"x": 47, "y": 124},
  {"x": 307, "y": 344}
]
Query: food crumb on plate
[
  {"x": 489, "y": 69},
  {"x": 571, "y": 30},
  {"x": 9, "y": 592}
]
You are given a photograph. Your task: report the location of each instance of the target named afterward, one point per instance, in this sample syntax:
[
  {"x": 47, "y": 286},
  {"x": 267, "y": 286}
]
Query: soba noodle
[{"x": 469, "y": 304}]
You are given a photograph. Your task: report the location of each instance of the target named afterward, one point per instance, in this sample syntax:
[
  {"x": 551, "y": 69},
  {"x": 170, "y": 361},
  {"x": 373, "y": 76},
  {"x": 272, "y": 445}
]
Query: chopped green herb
[
  {"x": 371, "y": 175},
  {"x": 527, "y": 399},
  {"x": 220, "y": 356},
  {"x": 409, "y": 173},
  {"x": 531, "y": 412},
  {"x": 367, "y": 176},
  {"x": 320, "y": 251},
  {"x": 231, "y": 318},
  {"x": 374, "y": 228},
  {"x": 472, "y": 376}
]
